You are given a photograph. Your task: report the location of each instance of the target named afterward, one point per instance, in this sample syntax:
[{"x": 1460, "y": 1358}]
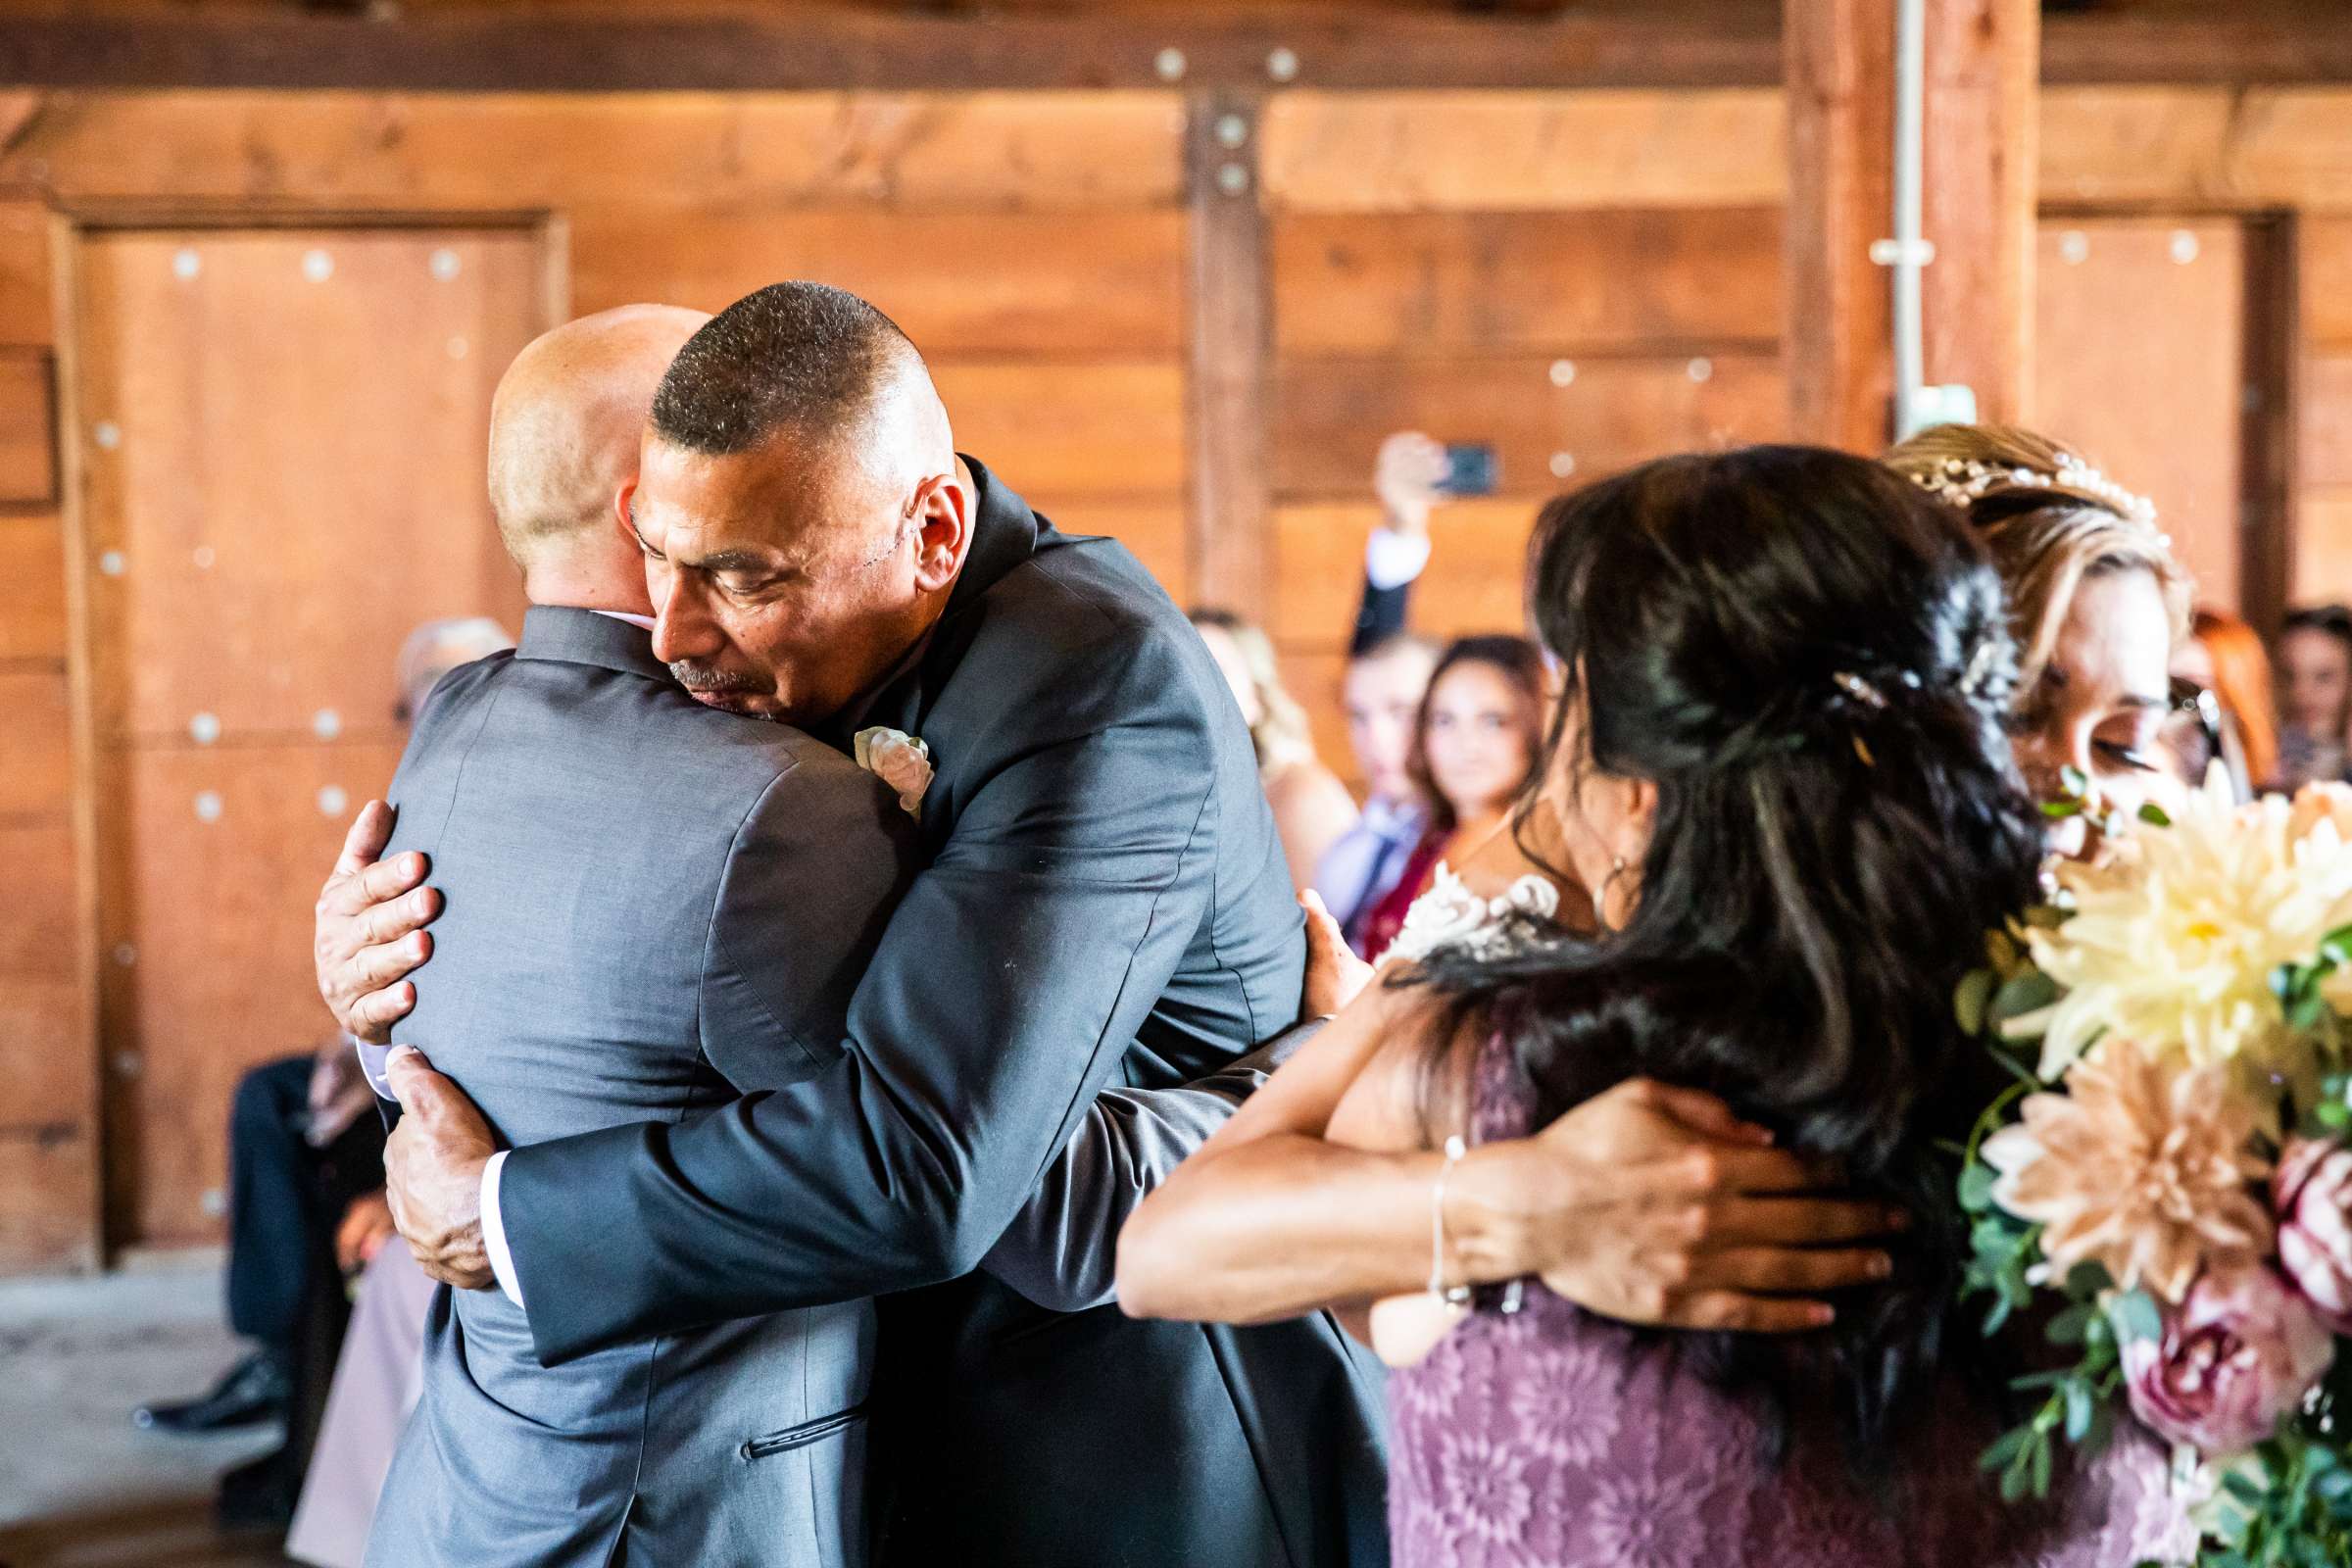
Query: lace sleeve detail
[{"x": 1451, "y": 915}]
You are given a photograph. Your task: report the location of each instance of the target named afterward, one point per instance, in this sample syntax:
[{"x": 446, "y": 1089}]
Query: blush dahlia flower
[
  {"x": 2174, "y": 938},
  {"x": 2144, "y": 1164}
]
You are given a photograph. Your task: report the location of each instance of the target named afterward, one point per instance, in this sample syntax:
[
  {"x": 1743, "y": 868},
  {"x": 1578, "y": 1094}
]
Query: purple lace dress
[{"x": 1547, "y": 1438}]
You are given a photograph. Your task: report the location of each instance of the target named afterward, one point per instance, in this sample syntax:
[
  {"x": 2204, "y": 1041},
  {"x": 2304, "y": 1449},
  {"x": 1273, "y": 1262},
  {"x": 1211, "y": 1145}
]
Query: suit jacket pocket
[{"x": 805, "y": 1434}]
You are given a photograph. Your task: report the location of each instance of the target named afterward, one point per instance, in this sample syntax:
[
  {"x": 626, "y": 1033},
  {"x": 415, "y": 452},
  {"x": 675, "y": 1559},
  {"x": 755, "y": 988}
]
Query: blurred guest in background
[
  {"x": 1388, "y": 671},
  {"x": 1474, "y": 752},
  {"x": 2224, "y": 657},
  {"x": 306, "y": 1205},
  {"x": 2096, "y": 604},
  {"x": 2315, "y": 695},
  {"x": 1312, "y": 808},
  {"x": 1382, "y": 697}
]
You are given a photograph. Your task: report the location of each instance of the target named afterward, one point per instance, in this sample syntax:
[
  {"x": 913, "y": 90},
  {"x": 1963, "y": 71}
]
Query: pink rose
[
  {"x": 2312, "y": 1194},
  {"x": 2242, "y": 1352}
]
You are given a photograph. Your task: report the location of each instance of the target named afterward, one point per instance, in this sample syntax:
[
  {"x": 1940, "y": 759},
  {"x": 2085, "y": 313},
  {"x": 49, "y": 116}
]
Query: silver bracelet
[{"x": 1451, "y": 1294}]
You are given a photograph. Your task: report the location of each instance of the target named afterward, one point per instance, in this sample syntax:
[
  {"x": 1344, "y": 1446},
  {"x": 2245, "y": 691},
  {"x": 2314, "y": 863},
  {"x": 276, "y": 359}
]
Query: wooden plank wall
[
  {"x": 49, "y": 1123},
  {"x": 2321, "y": 562},
  {"x": 1580, "y": 280}
]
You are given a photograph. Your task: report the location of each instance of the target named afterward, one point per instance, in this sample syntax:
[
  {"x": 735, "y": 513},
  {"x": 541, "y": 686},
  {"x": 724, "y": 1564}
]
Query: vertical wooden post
[
  {"x": 1839, "y": 64},
  {"x": 1983, "y": 59},
  {"x": 1228, "y": 397},
  {"x": 1977, "y": 210}
]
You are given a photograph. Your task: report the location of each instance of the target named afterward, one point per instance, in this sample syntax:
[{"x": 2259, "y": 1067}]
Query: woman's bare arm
[{"x": 1647, "y": 1203}]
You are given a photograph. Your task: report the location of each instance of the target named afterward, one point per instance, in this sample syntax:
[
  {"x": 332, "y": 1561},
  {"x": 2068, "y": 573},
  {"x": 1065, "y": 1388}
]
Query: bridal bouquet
[{"x": 2169, "y": 1180}]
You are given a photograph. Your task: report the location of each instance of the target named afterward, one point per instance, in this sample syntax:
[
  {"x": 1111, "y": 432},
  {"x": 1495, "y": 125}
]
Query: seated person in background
[
  {"x": 2315, "y": 695},
  {"x": 1312, "y": 808},
  {"x": 306, "y": 1161},
  {"x": 2223, "y": 659},
  {"x": 1474, "y": 754}
]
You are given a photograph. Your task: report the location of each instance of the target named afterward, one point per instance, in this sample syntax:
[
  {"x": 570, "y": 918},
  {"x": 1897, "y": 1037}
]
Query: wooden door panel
[
  {"x": 278, "y": 427},
  {"x": 208, "y": 967},
  {"x": 282, "y": 443},
  {"x": 2139, "y": 362}
]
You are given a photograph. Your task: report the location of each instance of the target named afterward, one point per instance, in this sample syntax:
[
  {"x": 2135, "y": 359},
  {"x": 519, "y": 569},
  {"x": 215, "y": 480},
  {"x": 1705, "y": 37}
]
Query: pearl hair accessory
[{"x": 1959, "y": 481}]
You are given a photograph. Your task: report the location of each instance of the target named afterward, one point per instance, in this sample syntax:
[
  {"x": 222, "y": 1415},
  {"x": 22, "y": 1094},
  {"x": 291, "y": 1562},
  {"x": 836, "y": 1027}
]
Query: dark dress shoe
[
  {"x": 260, "y": 1494},
  {"x": 254, "y": 1390}
]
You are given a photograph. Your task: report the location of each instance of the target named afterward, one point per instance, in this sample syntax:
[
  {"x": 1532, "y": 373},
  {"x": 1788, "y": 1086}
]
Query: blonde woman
[
  {"x": 2097, "y": 601},
  {"x": 1312, "y": 808}
]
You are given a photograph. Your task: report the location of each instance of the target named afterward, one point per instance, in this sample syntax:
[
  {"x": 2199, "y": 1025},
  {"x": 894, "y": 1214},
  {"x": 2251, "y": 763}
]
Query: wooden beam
[
  {"x": 828, "y": 49},
  {"x": 1229, "y": 400},
  {"x": 1981, "y": 164},
  {"x": 824, "y": 48},
  {"x": 1977, "y": 295},
  {"x": 2277, "y": 47},
  {"x": 1839, "y": 57}
]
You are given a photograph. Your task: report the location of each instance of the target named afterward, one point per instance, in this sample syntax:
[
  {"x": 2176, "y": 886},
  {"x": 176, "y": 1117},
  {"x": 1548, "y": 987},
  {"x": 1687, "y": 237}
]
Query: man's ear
[
  {"x": 944, "y": 532},
  {"x": 623, "y": 500}
]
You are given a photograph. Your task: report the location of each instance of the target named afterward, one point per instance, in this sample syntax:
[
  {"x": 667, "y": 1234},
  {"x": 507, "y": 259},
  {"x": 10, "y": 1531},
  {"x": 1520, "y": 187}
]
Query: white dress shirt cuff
[
  {"x": 371, "y": 1064},
  {"x": 1392, "y": 559},
  {"x": 494, "y": 1231}
]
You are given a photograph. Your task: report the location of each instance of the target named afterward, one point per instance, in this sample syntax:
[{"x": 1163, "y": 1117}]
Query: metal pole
[{"x": 1910, "y": 251}]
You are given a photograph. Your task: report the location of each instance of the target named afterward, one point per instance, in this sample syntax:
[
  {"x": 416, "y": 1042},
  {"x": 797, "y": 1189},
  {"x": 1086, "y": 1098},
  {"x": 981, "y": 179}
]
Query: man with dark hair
[{"x": 1104, "y": 904}]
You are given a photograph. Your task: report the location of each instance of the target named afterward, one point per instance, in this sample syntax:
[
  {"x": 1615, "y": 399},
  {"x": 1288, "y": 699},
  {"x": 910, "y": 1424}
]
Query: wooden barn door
[
  {"x": 2142, "y": 359},
  {"x": 280, "y": 437}
]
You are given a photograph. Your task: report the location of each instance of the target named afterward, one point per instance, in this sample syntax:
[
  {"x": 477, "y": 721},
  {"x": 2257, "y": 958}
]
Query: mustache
[{"x": 697, "y": 678}]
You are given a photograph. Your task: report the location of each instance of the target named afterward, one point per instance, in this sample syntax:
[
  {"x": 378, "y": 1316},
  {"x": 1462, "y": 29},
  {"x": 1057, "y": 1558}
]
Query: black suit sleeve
[
  {"x": 1379, "y": 617},
  {"x": 1007, "y": 985}
]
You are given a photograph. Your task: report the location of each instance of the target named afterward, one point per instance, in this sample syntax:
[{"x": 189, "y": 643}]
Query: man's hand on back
[
  {"x": 370, "y": 930},
  {"x": 433, "y": 1172}
]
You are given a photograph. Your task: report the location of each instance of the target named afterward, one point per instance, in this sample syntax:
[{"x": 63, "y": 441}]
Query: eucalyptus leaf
[
  {"x": 1973, "y": 997},
  {"x": 2135, "y": 1315}
]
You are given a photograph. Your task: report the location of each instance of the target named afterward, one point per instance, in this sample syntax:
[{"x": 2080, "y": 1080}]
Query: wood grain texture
[
  {"x": 32, "y": 589},
  {"x": 1331, "y": 414},
  {"x": 2198, "y": 147},
  {"x": 37, "y": 764},
  {"x": 27, "y": 428},
  {"x": 509, "y": 152},
  {"x": 245, "y": 492},
  {"x": 26, "y": 311},
  {"x": 2327, "y": 440},
  {"x": 206, "y": 999},
  {"x": 1455, "y": 151},
  {"x": 1435, "y": 285},
  {"x": 1110, "y": 428},
  {"x": 2322, "y": 559},
  {"x": 1977, "y": 183},
  {"x": 2323, "y": 255},
  {"x": 1840, "y": 67},
  {"x": 1476, "y": 582},
  {"x": 1228, "y": 329},
  {"x": 475, "y": 50},
  {"x": 2142, "y": 330},
  {"x": 1027, "y": 284},
  {"x": 285, "y": 514}
]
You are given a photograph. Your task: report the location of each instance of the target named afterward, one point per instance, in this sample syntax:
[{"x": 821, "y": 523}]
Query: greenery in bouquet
[{"x": 2166, "y": 1184}]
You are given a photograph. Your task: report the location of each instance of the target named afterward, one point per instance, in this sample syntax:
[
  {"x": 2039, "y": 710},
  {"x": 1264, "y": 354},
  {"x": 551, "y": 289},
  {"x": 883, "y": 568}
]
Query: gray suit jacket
[{"x": 653, "y": 908}]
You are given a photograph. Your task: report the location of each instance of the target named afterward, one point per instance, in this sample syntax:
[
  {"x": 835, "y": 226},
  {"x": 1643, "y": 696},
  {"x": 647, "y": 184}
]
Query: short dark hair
[{"x": 791, "y": 355}]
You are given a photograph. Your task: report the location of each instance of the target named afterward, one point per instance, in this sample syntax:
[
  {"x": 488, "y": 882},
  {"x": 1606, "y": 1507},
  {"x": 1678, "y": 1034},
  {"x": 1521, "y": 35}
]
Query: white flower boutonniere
[{"x": 897, "y": 760}]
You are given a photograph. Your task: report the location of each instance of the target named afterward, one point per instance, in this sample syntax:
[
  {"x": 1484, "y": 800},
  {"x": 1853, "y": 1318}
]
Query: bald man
[{"x": 653, "y": 906}]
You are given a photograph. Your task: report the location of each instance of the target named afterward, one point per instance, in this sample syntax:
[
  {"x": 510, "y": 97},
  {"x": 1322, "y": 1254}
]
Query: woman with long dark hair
[{"x": 1781, "y": 769}]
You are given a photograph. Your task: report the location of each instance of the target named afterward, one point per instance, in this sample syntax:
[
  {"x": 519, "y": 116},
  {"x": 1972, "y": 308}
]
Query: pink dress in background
[{"x": 1549, "y": 1437}]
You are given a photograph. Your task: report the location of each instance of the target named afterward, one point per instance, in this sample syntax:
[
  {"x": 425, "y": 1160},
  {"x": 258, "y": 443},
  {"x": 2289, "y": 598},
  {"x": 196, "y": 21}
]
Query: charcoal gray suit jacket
[{"x": 1102, "y": 903}]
